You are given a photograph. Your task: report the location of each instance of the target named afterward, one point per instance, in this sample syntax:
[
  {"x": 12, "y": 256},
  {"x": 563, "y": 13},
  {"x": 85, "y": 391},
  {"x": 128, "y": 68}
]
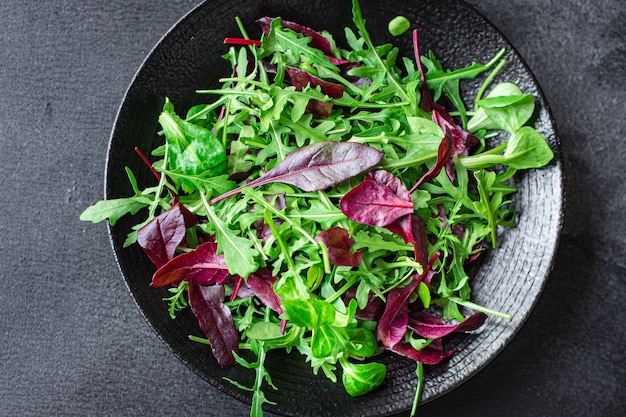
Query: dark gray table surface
[{"x": 73, "y": 343}]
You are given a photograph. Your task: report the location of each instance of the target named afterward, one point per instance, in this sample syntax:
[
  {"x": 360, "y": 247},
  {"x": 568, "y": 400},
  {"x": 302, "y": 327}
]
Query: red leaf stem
[{"x": 242, "y": 41}]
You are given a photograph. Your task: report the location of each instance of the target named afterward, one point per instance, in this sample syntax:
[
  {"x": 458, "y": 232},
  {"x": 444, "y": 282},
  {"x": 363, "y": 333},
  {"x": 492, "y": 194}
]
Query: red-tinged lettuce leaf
[
  {"x": 262, "y": 284},
  {"x": 338, "y": 241},
  {"x": 162, "y": 235},
  {"x": 433, "y": 327},
  {"x": 378, "y": 201},
  {"x": 443, "y": 155},
  {"x": 216, "y": 321},
  {"x": 393, "y": 323},
  {"x": 317, "y": 40},
  {"x": 301, "y": 79},
  {"x": 427, "y": 356},
  {"x": 201, "y": 265},
  {"x": 318, "y": 166}
]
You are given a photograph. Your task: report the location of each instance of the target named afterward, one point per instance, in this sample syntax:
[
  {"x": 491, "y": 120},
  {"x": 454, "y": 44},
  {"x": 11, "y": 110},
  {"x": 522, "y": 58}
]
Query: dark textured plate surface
[{"x": 510, "y": 278}]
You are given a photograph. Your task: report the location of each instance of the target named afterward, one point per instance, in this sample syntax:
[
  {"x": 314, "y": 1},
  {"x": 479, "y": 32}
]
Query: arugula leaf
[
  {"x": 239, "y": 253},
  {"x": 114, "y": 208}
]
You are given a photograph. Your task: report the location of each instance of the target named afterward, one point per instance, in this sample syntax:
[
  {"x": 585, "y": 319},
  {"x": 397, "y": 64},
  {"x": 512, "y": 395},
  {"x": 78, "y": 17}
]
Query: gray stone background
[{"x": 73, "y": 343}]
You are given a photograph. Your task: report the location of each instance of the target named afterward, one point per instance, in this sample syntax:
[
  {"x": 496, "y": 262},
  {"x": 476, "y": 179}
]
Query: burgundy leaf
[
  {"x": 432, "y": 327},
  {"x": 264, "y": 231},
  {"x": 462, "y": 140},
  {"x": 387, "y": 179},
  {"x": 443, "y": 155},
  {"x": 372, "y": 311},
  {"x": 318, "y": 166},
  {"x": 378, "y": 201},
  {"x": 339, "y": 242},
  {"x": 393, "y": 323},
  {"x": 201, "y": 265},
  {"x": 301, "y": 79},
  {"x": 403, "y": 227},
  {"x": 162, "y": 235},
  {"x": 427, "y": 356},
  {"x": 262, "y": 284},
  {"x": 317, "y": 40},
  {"x": 216, "y": 321},
  {"x": 420, "y": 245},
  {"x": 319, "y": 109}
]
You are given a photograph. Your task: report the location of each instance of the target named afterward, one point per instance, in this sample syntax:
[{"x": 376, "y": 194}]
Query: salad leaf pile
[{"x": 329, "y": 201}]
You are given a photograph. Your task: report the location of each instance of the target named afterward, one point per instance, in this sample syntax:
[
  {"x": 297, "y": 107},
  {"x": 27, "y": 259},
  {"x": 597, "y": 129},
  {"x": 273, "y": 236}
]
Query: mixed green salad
[{"x": 330, "y": 200}]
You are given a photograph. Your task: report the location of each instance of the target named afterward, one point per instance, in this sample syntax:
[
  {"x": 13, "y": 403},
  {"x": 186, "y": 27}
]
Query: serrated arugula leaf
[
  {"x": 113, "y": 209},
  {"x": 239, "y": 252}
]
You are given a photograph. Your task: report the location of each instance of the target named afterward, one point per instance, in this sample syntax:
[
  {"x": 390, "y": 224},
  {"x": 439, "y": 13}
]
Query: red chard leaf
[
  {"x": 161, "y": 236},
  {"x": 420, "y": 244},
  {"x": 433, "y": 327},
  {"x": 393, "y": 323},
  {"x": 427, "y": 356},
  {"x": 319, "y": 109},
  {"x": 262, "y": 284},
  {"x": 317, "y": 41},
  {"x": 403, "y": 227},
  {"x": 372, "y": 311},
  {"x": 301, "y": 79},
  {"x": 216, "y": 321},
  {"x": 443, "y": 155},
  {"x": 339, "y": 242},
  {"x": 318, "y": 166},
  {"x": 378, "y": 201},
  {"x": 462, "y": 140},
  {"x": 201, "y": 265}
]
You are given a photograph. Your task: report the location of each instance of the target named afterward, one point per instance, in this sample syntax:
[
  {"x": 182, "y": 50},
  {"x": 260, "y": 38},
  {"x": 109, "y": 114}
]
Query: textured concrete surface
[{"x": 72, "y": 341}]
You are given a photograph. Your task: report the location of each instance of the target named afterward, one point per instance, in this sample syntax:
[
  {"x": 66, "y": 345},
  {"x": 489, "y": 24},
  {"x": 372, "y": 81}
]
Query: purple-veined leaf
[
  {"x": 162, "y": 235},
  {"x": 338, "y": 241},
  {"x": 317, "y": 40},
  {"x": 378, "y": 201},
  {"x": 216, "y": 321},
  {"x": 433, "y": 327},
  {"x": 202, "y": 265},
  {"x": 318, "y": 166}
]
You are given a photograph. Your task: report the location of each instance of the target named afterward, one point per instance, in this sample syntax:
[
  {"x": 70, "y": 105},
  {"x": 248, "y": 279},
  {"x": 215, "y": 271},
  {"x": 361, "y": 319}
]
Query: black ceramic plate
[{"x": 510, "y": 279}]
